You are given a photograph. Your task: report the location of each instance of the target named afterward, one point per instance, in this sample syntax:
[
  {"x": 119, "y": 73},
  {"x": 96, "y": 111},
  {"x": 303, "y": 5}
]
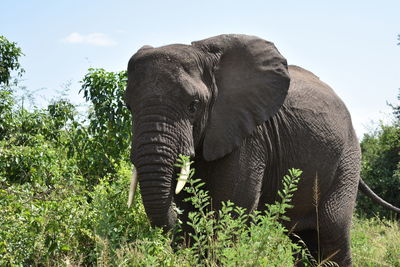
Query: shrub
[
  {"x": 380, "y": 169},
  {"x": 229, "y": 237},
  {"x": 47, "y": 225},
  {"x": 41, "y": 224},
  {"x": 115, "y": 225}
]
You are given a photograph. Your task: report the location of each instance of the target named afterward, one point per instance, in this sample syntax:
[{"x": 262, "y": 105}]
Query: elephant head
[{"x": 198, "y": 100}]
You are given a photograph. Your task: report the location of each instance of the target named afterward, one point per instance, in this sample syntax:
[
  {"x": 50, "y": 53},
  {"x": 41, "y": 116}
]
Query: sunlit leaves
[
  {"x": 109, "y": 120},
  {"x": 9, "y": 60}
]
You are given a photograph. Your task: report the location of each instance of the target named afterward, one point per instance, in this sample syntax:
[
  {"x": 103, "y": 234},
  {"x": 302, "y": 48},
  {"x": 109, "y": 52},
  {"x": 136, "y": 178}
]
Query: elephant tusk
[
  {"x": 132, "y": 188},
  {"x": 183, "y": 177}
]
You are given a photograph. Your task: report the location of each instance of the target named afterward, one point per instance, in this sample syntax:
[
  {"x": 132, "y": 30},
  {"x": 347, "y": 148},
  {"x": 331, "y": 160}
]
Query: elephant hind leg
[
  {"x": 327, "y": 248},
  {"x": 308, "y": 238},
  {"x": 336, "y": 210},
  {"x": 335, "y": 245},
  {"x": 335, "y": 214}
]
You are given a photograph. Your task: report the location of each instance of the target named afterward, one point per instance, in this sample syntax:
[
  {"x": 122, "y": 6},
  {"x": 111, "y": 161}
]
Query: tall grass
[{"x": 375, "y": 242}]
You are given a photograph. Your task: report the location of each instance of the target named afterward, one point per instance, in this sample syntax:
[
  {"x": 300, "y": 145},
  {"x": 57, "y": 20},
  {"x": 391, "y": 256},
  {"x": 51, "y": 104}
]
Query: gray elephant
[{"x": 233, "y": 105}]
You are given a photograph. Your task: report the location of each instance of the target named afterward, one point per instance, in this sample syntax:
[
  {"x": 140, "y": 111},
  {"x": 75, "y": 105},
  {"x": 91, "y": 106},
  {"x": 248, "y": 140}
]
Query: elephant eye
[{"x": 193, "y": 106}]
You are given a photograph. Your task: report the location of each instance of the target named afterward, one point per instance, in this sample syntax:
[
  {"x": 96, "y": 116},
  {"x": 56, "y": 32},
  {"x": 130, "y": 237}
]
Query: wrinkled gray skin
[{"x": 245, "y": 117}]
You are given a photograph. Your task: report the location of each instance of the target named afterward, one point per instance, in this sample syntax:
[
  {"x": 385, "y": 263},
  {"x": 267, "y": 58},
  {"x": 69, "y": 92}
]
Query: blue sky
[{"x": 351, "y": 45}]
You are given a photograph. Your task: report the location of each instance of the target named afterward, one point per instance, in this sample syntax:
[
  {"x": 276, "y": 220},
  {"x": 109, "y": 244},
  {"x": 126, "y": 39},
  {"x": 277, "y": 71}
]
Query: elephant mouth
[{"x": 180, "y": 176}]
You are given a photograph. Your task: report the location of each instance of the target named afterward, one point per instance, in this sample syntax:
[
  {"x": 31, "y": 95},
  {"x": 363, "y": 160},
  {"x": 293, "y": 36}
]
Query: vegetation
[
  {"x": 64, "y": 184},
  {"x": 375, "y": 242},
  {"x": 381, "y": 165},
  {"x": 9, "y": 56},
  {"x": 109, "y": 121},
  {"x": 381, "y": 168}
]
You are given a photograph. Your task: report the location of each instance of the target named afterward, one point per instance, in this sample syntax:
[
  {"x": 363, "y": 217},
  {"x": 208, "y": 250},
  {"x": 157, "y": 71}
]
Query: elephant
[{"x": 232, "y": 104}]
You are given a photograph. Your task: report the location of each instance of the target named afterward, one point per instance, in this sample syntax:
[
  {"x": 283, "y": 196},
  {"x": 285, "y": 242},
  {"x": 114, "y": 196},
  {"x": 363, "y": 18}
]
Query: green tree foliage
[
  {"x": 52, "y": 207},
  {"x": 396, "y": 109},
  {"x": 9, "y": 60},
  {"x": 30, "y": 141},
  {"x": 109, "y": 120},
  {"x": 6, "y": 112},
  {"x": 380, "y": 168},
  {"x": 96, "y": 147}
]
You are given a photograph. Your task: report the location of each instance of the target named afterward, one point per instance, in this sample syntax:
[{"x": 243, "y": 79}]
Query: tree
[
  {"x": 9, "y": 56},
  {"x": 381, "y": 164},
  {"x": 396, "y": 109},
  {"x": 9, "y": 60},
  {"x": 380, "y": 167},
  {"x": 109, "y": 120}
]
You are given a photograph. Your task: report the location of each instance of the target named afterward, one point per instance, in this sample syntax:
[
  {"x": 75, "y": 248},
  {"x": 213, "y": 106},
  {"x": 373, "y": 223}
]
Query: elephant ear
[{"x": 251, "y": 80}]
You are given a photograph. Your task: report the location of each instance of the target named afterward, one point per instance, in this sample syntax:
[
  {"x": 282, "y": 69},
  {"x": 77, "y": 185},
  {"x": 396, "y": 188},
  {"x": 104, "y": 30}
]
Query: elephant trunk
[
  {"x": 154, "y": 164},
  {"x": 157, "y": 142}
]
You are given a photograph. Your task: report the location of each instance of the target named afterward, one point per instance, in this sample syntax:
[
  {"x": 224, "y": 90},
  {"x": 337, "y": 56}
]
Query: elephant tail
[{"x": 371, "y": 194}]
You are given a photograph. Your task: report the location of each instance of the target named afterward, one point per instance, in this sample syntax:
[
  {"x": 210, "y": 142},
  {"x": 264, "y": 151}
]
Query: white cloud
[{"x": 96, "y": 38}]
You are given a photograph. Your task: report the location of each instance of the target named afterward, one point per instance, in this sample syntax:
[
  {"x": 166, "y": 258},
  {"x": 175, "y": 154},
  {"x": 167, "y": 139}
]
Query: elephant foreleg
[{"x": 238, "y": 176}]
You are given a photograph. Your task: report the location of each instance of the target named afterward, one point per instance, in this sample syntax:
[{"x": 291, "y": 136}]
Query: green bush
[
  {"x": 43, "y": 224},
  {"x": 380, "y": 169},
  {"x": 50, "y": 208},
  {"x": 229, "y": 237},
  {"x": 47, "y": 225},
  {"x": 35, "y": 148},
  {"x": 226, "y": 238},
  {"x": 115, "y": 225}
]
